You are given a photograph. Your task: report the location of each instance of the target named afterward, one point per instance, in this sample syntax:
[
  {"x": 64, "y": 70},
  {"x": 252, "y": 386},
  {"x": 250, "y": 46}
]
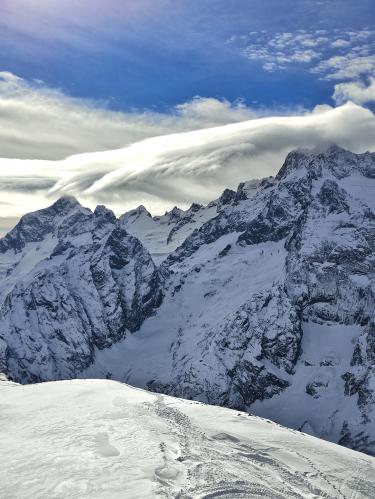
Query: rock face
[
  {"x": 269, "y": 297},
  {"x": 71, "y": 280}
]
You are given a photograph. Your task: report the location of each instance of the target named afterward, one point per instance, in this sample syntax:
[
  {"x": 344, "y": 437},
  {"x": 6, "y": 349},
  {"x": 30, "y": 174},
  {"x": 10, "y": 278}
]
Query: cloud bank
[
  {"x": 355, "y": 91},
  {"x": 37, "y": 122},
  {"x": 178, "y": 168}
]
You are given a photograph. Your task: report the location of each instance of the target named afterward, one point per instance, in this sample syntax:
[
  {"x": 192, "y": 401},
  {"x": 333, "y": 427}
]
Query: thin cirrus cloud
[
  {"x": 178, "y": 168},
  {"x": 72, "y": 20}
]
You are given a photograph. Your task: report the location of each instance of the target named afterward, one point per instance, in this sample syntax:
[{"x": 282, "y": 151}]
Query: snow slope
[
  {"x": 163, "y": 234},
  {"x": 101, "y": 439}
]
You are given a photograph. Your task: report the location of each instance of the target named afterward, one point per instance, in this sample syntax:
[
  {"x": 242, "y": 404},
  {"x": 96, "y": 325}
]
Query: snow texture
[{"x": 101, "y": 439}]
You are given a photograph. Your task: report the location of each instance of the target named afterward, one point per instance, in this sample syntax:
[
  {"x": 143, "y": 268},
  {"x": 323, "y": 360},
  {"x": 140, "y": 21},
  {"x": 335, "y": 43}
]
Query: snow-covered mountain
[
  {"x": 71, "y": 280},
  {"x": 163, "y": 234},
  {"x": 101, "y": 439},
  {"x": 261, "y": 301}
]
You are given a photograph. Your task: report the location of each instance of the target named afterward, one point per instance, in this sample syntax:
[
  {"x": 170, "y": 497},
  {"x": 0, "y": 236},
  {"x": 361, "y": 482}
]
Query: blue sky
[
  {"x": 158, "y": 53},
  {"x": 166, "y": 102}
]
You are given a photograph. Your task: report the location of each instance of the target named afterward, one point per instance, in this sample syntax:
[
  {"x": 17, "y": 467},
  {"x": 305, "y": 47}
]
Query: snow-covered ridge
[
  {"x": 101, "y": 439},
  {"x": 161, "y": 235},
  {"x": 263, "y": 300}
]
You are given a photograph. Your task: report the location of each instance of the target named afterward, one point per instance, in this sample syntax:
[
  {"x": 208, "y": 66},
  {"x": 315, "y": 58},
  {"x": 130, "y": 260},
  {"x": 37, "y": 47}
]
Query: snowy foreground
[{"x": 103, "y": 439}]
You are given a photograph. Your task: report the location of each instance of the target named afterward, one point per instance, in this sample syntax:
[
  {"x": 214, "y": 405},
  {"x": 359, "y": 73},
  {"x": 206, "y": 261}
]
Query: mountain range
[{"x": 261, "y": 301}]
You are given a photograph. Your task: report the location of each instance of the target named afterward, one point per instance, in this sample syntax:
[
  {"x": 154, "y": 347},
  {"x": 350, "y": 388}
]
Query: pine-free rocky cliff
[{"x": 263, "y": 300}]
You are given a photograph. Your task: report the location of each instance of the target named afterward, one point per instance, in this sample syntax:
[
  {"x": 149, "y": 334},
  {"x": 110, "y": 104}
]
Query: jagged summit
[
  {"x": 174, "y": 213},
  {"x": 105, "y": 213},
  {"x": 227, "y": 197},
  {"x": 65, "y": 202},
  {"x": 140, "y": 210},
  {"x": 139, "y": 215},
  {"x": 338, "y": 161},
  {"x": 194, "y": 207},
  {"x": 33, "y": 227}
]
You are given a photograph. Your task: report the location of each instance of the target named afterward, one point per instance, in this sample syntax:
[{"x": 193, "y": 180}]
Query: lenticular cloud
[
  {"x": 178, "y": 168},
  {"x": 211, "y": 159}
]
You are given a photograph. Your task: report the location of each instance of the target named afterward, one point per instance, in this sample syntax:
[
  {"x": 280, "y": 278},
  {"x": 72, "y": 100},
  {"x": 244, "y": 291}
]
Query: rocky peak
[
  {"x": 141, "y": 210},
  {"x": 64, "y": 204},
  {"x": 34, "y": 226},
  {"x": 227, "y": 197},
  {"x": 337, "y": 161},
  {"x": 137, "y": 212},
  {"x": 104, "y": 221},
  {"x": 174, "y": 214},
  {"x": 102, "y": 212},
  {"x": 195, "y": 207}
]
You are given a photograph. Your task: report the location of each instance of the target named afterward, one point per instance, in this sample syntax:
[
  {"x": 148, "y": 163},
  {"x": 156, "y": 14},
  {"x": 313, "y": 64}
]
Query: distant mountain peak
[
  {"x": 195, "y": 207},
  {"x": 174, "y": 213},
  {"x": 338, "y": 161},
  {"x": 136, "y": 212},
  {"x": 105, "y": 213},
  {"x": 34, "y": 226},
  {"x": 66, "y": 202}
]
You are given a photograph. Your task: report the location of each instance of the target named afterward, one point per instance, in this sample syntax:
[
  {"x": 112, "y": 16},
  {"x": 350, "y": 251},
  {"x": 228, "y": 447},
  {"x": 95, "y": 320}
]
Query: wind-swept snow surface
[{"x": 102, "y": 439}]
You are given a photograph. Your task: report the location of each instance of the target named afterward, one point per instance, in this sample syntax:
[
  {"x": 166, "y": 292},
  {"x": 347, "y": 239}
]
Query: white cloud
[
  {"x": 339, "y": 43},
  {"x": 39, "y": 122},
  {"x": 182, "y": 167},
  {"x": 280, "y": 50},
  {"x": 342, "y": 56},
  {"x": 355, "y": 91},
  {"x": 211, "y": 112},
  {"x": 159, "y": 160},
  {"x": 346, "y": 67}
]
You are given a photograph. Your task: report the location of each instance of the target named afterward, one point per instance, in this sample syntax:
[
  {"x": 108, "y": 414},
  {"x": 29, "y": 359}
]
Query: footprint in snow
[
  {"x": 226, "y": 437},
  {"x": 103, "y": 447}
]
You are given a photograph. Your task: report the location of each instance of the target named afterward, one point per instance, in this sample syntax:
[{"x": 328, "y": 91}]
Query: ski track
[
  {"x": 204, "y": 477},
  {"x": 99, "y": 439}
]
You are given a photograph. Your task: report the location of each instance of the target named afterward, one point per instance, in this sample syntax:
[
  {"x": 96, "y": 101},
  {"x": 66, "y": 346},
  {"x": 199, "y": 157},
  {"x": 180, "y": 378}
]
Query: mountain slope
[{"x": 101, "y": 439}]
